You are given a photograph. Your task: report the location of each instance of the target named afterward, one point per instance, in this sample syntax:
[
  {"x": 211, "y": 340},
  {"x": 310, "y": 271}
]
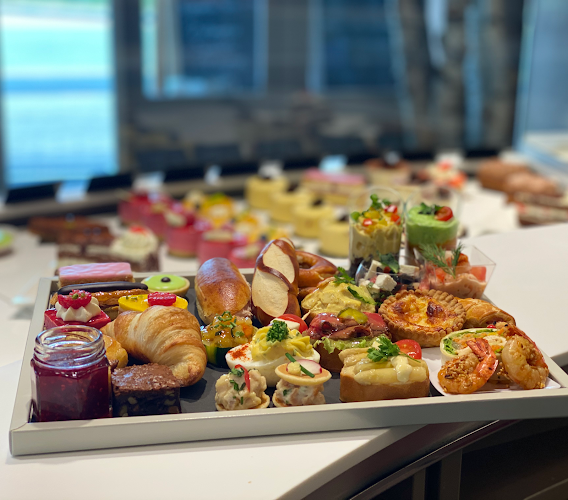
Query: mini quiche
[{"x": 423, "y": 316}]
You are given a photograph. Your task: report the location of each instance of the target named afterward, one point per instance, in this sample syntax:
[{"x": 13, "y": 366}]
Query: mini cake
[
  {"x": 219, "y": 243},
  {"x": 95, "y": 273},
  {"x": 431, "y": 224},
  {"x": 139, "y": 246},
  {"x": 334, "y": 237},
  {"x": 149, "y": 389},
  {"x": 245, "y": 257},
  {"x": 183, "y": 232},
  {"x": 218, "y": 209},
  {"x": 308, "y": 219},
  {"x": 49, "y": 228},
  {"x": 130, "y": 209},
  {"x": 444, "y": 173},
  {"x": 83, "y": 246},
  {"x": 167, "y": 283},
  {"x": 260, "y": 189},
  {"x": 248, "y": 225},
  {"x": 283, "y": 203},
  {"x": 140, "y": 303},
  {"x": 334, "y": 188},
  {"x": 390, "y": 171},
  {"x": 77, "y": 308},
  {"x": 153, "y": 215}
]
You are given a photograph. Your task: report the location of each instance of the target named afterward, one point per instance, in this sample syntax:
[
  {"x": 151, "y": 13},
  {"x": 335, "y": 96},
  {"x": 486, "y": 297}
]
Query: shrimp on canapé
[
  {"x": 522, "y": 360},
  {"x": 470, "y": 372}
]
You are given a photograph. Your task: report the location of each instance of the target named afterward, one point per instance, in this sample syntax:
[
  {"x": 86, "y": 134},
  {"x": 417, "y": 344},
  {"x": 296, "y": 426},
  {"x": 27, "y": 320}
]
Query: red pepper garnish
[
  {"x": 367, "y": 222},
  {"x": 392, "y": 209},
  {"x": 246, "y": 374}
]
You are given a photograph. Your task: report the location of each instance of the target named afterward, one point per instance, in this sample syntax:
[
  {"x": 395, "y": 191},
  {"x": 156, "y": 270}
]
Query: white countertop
[{"x": 267, "y": 467}]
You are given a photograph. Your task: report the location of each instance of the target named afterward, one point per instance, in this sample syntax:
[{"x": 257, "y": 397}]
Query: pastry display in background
[
  {"x": 301, "y": 384},
  {"x": 430, "y": 225},
  {"x": 245, "y": 257},
  {"x": 534, "y": 209},
  {"x": 115, "y": 353},
  {"x": 218, "y": 209},
  {"x": 376, "y": 229},
  {"x": 456, "y": 272},
  {"x": 138, "y": 246},
  {"x": 531, "y": 183},
  {"x": 333, "y": 295},
  {"x": 241, "y": 389},
  {"x": 391, "y": 170},
  {"x": 183, "y": 232},
  {"x": 334, "y": 237},
  {"x": 330, "y": 334},
  {"x": 310, "y": 218},
  {"x": 333, "y": 188},
  {"x": 223, "y": 333},
  {"x": 423, "y": 316},
  {"x": 163, "y": 335},
  {"x": 445, "y": 173},
  {"x": 77, "y": 308},
  {"x": 95, "y": 273},
  {"x": 259, "y": 190},
  {"x": 249, "y": 225},
  {"x": 6, "y": 241},
  {"x": 480, "y": 314},
  {"x": 493, "y": 173},
  {"x": 218, "y": 243},
  {"x": 107, "y": 293},
  {"x": 282, "y": 206},
  {"x": 220, "y": 287},
  {"x": 384, "y": 371},
  {"x": 154, "y": 214},
  {"x": 49, "y": 228},
  {"x": 269, "y": 348},
  {"x": 275, "y": 281},
  {"x": 149, "y": 389},
  {"x": 130, "y": 208},
  {"x": 167, "y": 283},
  {"x": 140, "y": 303},
  {"x": 83, "y": 246}
]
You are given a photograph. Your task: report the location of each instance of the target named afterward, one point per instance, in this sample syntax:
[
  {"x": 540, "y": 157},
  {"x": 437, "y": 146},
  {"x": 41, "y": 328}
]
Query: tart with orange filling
[{"x": 424, "y": 316}]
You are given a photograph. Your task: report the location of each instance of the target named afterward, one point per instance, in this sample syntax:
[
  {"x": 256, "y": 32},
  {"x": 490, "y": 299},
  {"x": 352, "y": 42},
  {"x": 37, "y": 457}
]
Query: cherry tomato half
[
  {"x": 480, "y": 272},
  {"x": 296, "y": 319},
  {"x": 410, "y": 347},
  {"x": 367, "y": 222},
  {"x": 444, "y": 214},
  {"x": 395, "y": 217},
  {"x": 392, "y": 209}
]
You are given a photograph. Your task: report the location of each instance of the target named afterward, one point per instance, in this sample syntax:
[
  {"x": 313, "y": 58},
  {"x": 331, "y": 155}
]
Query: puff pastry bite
[
  {"x": 479, "y": 314},
  {"x": 423, "y": 316}
]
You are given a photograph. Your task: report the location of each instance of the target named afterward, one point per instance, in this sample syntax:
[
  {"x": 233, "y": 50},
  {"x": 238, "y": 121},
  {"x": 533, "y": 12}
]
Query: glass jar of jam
[{"x": 70, "y": 375}]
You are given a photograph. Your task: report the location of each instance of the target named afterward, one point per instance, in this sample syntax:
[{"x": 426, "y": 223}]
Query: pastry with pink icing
[
  {"x": 184, "y": 232},
  {"x": 95, "y": 273},
  {"x": 153, "y": 214},
  {"x": 219, "y": 243},
  {"x": 245, "y": 257}
]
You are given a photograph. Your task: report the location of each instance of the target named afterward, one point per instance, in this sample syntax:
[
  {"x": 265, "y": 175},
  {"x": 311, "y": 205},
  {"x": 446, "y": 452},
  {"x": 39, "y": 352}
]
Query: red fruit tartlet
[{"x": 77, "y": 308}]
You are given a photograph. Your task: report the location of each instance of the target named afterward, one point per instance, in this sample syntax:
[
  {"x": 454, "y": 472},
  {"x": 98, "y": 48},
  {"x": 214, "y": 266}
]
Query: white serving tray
[{"x": 30, "y": 438}]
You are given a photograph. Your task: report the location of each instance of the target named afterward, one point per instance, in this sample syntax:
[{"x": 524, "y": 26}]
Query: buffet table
[{"x": 291, "y": 466}]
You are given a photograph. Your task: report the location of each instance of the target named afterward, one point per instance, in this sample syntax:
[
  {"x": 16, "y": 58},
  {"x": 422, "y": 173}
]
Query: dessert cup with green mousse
[
  {"x": 375, "y": 228},
  {"x": 431, "y": 225}
]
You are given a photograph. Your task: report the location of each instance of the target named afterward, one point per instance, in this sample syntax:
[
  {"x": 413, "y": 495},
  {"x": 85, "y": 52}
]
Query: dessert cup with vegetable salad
[{"x": 375, "y": 225}]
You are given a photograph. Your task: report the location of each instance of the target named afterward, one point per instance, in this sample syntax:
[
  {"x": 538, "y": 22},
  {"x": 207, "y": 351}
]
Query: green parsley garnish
[
  {"x": 358, "y": 296},
  {"x": 428, "y": 209},
  {"x": 386, "y": 349},
  {"x": 235, "y": 385},
  {"x": 302, "y": 369},
  {"x": 237, "y": 372},
  {"x": 285, "y": 392},
  {"x": 242, "y": 399},
  {"x": 243, "y": 385},
  {"x": 390, "y": 260},
  {"x": 278, "y": 331},
  {"x": 342, "y": 276},
  {"x": 437, "y": 256},
  {"x": 378, "y": 204}
]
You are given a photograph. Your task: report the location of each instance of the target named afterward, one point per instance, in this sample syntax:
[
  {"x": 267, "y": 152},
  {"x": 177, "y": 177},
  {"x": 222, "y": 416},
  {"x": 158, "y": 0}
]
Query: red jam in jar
[{"x": 70, "y": 375}]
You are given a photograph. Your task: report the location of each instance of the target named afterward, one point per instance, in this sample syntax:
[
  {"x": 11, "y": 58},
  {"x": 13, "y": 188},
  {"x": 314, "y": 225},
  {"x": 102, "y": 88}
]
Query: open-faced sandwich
[
  {"x": 331, "y": 334},
  {"x": 384, "y": 371}
]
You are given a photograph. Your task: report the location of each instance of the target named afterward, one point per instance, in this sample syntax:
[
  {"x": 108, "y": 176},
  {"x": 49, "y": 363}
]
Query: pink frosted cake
[
  {"x": 334, "y": 188},
  {"x": 245, "y": 257},
  {"x": 184, "y": 232},
  {"x": 130, "y": 210},
  {"x": 219, "y": 243},
  {"x": 153, "y": 214},
  {"x": 95, "y": 273}
]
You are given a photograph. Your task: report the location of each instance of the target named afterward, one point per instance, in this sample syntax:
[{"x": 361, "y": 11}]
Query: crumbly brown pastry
[
  {"x": 479, "y": 314},
  {"x": 423, "y": 316}
]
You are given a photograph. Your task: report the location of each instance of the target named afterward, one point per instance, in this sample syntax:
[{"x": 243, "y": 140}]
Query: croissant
[
  {"x": 165, "y": 335},
  {"x": 116, "y": 354},
  {"x": 479, "y": 314}
]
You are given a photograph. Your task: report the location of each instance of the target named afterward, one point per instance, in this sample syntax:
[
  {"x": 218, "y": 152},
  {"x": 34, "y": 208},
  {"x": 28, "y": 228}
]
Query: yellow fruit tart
[
  {"x": 423, "y": 316},
  {"x": 140, "y": 303}
]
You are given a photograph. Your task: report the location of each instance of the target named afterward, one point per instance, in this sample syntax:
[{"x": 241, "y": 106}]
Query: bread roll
[
  {"x": 220, "y": 287},
  {"x": 275, "y": 281}
]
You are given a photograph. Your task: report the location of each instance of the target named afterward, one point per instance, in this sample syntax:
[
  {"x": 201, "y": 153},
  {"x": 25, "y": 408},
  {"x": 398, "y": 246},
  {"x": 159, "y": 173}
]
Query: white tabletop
[{"x": 528, "y": 283}]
